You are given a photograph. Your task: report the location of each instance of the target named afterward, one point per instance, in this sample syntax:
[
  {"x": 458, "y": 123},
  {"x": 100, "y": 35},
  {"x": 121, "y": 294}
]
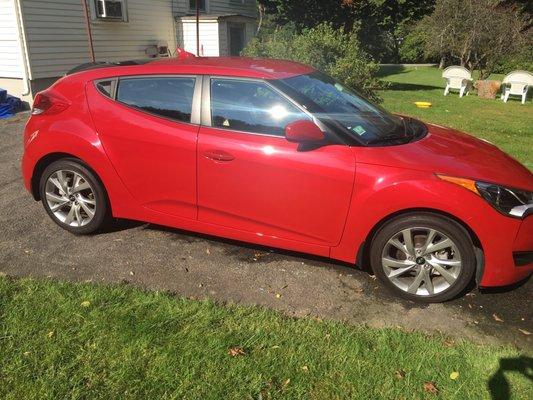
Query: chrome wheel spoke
[
  {"x": 396, "y": 243},
  {"x": 390, "y": 262},
  {"x": 79, "y": 219},
  {"x": 413, "y": 287},
  {"x": 70, "y": 216},
  {"x": 443, "y": 244},
  {"x": 86, "y": 208},
  {"x": 447, "y": 275},
  {"x": 428, "y": 283},
  {"x": 80, "y": 186},
  {"x": 408, "y": 240},
  {"x": 401, "y": 271},
  {"x": 429, "y": 240},
  {"x": 57, "y": 184}
]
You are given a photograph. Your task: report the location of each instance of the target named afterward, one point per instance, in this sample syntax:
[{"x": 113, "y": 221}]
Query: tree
[
  {"x": 331, "y": 50},
  {"x": 380, "y": 24},
  {"x": 475, "y": 33}
]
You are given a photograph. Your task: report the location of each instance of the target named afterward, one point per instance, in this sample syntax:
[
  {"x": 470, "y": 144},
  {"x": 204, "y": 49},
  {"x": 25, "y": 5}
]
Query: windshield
[{"x": 335, "y": 104}]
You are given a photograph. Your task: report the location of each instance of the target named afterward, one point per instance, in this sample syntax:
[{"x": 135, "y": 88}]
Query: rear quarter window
[{"x": 167, "y": 97}]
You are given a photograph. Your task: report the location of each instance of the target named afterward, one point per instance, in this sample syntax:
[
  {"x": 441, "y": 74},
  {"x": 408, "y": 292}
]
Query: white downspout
[{"x": 23, "y": 49}]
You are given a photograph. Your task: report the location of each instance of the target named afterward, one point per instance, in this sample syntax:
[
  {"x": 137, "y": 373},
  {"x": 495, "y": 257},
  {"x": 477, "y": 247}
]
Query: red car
[{"x": 279, "y": 154}]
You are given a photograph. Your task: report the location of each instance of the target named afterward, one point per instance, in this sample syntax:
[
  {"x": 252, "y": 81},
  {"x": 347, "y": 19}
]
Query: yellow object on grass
[{"x": 423, "y": 104}]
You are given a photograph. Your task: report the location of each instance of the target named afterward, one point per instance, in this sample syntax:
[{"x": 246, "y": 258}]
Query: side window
[
  {"x": 167, "y": 97},
  {"x": 250, "y": 106},
  {"x": 106, "y": 87}
]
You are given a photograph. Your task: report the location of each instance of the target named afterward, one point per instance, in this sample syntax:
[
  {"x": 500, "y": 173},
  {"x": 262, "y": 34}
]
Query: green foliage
[
  {"x": 412, "y": 48},
  {"x": 475, "y": 33},
  {"x": 327, "y": 49},
  {"x": 379, "y": 23},
  {"x": 522, "y": 59}
]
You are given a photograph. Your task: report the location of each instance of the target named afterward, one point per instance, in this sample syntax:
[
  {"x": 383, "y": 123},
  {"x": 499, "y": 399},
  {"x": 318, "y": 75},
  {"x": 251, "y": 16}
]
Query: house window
[
  {"x": 201, "y": 4},
  {"x": 110, "y": 10}
]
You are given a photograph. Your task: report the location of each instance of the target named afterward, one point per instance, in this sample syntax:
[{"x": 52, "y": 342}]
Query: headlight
[{"x": 508, "y": 201}]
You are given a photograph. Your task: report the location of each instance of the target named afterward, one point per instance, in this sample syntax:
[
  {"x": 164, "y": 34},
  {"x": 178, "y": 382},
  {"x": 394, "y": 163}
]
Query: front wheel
[
  {"x": 423, "y": 257},
  {"x": 73, "y": 196}
]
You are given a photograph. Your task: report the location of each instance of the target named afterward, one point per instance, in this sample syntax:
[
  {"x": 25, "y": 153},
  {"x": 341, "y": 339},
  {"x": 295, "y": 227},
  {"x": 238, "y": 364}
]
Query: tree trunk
[{"x": 442, "y": 62}]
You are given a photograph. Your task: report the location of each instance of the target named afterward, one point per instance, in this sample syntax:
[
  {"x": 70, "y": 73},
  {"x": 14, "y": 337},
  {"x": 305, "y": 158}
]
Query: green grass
[
  {"x": 507, "y": 125},
  {"x": 64, "y": 340}
]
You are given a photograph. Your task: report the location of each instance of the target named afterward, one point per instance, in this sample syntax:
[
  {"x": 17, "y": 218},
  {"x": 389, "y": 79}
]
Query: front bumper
[{"x": 508, "y": 253}]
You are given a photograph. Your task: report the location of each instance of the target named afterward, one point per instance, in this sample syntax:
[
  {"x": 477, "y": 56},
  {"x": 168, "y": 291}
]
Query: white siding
[
  {"x": 209, "y": 43},
  {"x": 242, "y": 7},
  {"x": 57, "y": 38},
  {"x": 10, "y": 52}
]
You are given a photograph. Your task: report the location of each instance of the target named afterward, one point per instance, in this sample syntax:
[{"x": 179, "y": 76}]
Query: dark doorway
[{"x": 236, "y": 39}]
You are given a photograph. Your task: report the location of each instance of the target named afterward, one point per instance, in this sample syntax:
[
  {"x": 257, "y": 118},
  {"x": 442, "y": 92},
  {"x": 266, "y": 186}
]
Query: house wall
[
  {"x": 10, "y": 51},
  {"x": 57, "y": 37},
  {"x": 242, "y": 7},
  {"x": 209, "y": 45}
]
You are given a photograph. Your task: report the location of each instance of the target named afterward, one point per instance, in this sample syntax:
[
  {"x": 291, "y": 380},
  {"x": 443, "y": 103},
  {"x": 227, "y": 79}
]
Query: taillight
[{"x": 48, "y": 103}]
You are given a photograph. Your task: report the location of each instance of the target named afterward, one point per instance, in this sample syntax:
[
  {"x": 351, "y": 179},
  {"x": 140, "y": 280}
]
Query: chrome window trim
[{"x": 206, "y": 119}]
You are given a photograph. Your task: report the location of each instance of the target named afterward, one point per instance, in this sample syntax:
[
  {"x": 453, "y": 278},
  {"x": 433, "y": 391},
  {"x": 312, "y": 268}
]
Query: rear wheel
[
  {"x": 73, "y": 196},
  {"x": 423, "y": 257}
]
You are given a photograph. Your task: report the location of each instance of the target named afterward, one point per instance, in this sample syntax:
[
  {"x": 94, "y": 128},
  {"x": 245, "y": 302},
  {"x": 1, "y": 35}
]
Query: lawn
[
  {"x": 507, "y": 125},
  {"x": 65, "y": 340}
]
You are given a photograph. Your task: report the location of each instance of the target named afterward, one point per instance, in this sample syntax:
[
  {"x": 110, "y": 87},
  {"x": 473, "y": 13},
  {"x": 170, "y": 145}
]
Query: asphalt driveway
[{"x": 197, "y": 266}]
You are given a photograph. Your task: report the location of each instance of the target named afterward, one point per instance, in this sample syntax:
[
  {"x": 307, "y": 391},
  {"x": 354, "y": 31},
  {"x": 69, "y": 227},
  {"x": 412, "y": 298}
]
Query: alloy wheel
[
  {"x": 421, "y": 261},
  {"x": 70, "y": 197}
]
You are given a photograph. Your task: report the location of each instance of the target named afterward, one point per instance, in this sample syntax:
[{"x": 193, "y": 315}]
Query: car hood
[{"x": 447, "y": 151}]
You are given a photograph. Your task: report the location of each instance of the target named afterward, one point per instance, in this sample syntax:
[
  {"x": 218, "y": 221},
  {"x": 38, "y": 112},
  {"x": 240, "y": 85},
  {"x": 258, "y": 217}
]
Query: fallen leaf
[
  {"x": 132, "y": 273},
  {"x": 400, "y": 374},
  {"x": 275, "y": 347},
  {"x": 430, "y": 388},
  {"x": 85, "y": 303},
  {"x": 50, "y": 334},
  {"x": 496, "y": 318},
  {"x": 278, "y": 295},
  {"x": 527, "y": 333},
  {"x": 236, "y": 351},
  {"x": 287, "y": 382},
  {"x": 26, "y": 353},
  {"x": 208, "y": 251},
  {"x": 305, "y": 368},
  {"x": 454, "y": 375},
  {"x": 449, "y": 343}
]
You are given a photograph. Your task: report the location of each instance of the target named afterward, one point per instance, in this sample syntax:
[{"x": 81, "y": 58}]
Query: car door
[
  {"x": 148, "y": 126},
  {"x": 252, "y": 179}
]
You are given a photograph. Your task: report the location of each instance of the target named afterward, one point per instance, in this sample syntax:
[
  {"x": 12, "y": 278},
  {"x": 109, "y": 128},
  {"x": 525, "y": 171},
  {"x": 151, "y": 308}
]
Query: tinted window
[
  {"x": 251, "y": 106},
  {"x": 358, "y": 117},
  {"x": 168, "y": 97},
  {"x": 105, "y": 87}
]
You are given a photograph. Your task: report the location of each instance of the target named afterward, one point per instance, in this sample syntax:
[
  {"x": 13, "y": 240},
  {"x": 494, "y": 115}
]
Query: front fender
[{"x": 381, "y": 192}]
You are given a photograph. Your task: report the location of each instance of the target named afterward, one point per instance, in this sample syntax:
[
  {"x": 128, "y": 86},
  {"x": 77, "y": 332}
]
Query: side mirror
[{"x": 303, "y": 131}]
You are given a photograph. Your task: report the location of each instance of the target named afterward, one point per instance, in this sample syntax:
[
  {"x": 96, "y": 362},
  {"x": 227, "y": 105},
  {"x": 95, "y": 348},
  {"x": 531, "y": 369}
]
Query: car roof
[{"x": 261, "y": 68}]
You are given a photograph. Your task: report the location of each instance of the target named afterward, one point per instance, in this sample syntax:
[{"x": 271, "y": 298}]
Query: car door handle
[{"x": 218, "y": 155}]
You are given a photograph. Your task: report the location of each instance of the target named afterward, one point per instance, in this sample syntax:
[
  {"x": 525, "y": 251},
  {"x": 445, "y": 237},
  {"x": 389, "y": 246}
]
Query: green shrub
[
  {"x": 327, "y": 49},
  {"x": 521, "y": 60}
]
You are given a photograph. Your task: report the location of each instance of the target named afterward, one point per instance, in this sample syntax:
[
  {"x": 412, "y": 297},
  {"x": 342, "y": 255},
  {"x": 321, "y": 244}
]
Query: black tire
[
  {"x": 453, "y": 230},
  {"x": 101, "y": 214}
]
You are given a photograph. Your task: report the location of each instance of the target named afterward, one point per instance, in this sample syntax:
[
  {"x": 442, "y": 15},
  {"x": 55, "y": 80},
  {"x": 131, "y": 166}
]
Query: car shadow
[
  {"x": 499, "y": 386},
  {"x": 412, "y": 87}
]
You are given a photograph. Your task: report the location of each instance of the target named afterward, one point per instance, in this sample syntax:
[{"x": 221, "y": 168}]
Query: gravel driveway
[{"x": 197, "y": 266}]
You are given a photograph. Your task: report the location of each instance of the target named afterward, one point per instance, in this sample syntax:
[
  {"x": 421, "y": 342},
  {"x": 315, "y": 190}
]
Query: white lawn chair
[
  {"x": 516, "y": 83},
  {"x": 457, "y": 78}
]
